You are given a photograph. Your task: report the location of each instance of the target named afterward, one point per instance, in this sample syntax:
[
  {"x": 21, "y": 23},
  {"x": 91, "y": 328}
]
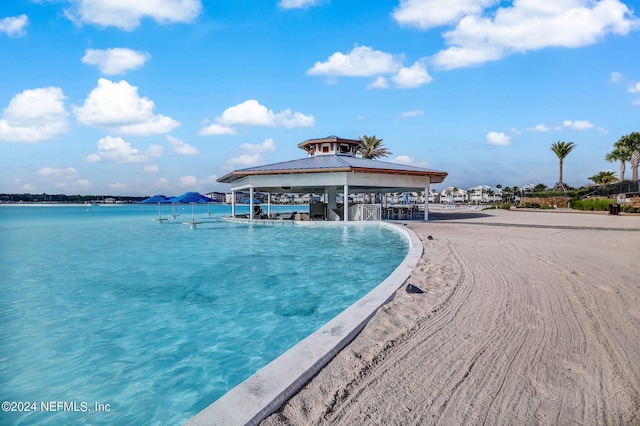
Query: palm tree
[
  {"x": 631, "y": 142},
  {"x": 562, "y": 149},
  {"x": 515, "y": 191},
  {"x": 603, "y": 178},
  {"x": 540, "y": 187},
  {"x": 373, "y": 148},
  {"x": 620, "y": 153}
]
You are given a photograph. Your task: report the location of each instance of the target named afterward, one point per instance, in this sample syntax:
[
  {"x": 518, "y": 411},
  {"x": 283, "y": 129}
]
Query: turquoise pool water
[{"x": 102, "y": 305}]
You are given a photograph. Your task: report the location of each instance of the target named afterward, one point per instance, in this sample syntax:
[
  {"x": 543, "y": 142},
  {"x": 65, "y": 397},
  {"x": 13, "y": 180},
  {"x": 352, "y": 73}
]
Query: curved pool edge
[{"x": 265, "y": 391}]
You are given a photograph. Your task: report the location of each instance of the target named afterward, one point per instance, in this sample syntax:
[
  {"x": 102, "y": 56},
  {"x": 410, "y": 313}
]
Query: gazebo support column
[
  {"x": 426, "y": 203},
  {"x": 233, "y": 203},
  {"x": 269, "y": 205},
  {"x": 331, "y": 195},
  {"x": 251, "y": 203},
  {"x": 346, "y": 203}
]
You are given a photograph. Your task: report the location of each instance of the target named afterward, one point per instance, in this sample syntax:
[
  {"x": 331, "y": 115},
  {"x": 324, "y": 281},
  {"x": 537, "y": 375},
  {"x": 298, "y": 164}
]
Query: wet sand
[{"x": 527, "y": 318}]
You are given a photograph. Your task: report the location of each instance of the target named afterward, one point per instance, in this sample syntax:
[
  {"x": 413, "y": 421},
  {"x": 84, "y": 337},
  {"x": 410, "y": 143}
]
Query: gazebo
[{"x": 332, "y": 168}]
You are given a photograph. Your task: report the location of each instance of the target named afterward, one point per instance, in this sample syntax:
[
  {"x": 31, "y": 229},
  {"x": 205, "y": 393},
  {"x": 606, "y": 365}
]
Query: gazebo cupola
[{"x": 331, "y": 145}]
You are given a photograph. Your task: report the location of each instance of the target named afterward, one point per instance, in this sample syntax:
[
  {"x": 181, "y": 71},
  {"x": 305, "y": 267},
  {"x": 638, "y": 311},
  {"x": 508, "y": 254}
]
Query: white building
[
  {"x": 453, "y": 195},
  {"x": 485, "y": 194}
]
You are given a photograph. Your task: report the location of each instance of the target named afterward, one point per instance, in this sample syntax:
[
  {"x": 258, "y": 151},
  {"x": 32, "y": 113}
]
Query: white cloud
[
  {"x": 577, "y": 125},
  {"x": 119, "y": 151},
  {"x": 157, "y": 124},
  {"x": 460, "y": 57},
  {"x": 634, "y": 88},
  {"x": 14, "y": 26},
  {"x": 530, "y": 25},
  {"x": 616, "y": 77},
  {"x": 498, "y": 138},
  {"x": 425, "y": 14},
  {"x": 243, "y": 160},
  {"x": 414, "y": 113},
  {"x": 65, "y": 173},
  {"x": 378, "y": 83},
  {"x": 188, "y": 181},
  {"x": 251, "y": 154},
  {"x": 115, "y": 60},
  {"x": 414, "y": 76},
  {"x": 409, "y": 161},
  {"x": 34, "y": 115},
  {"x": 151, "y": 168},
  {"x": 298, "y": 4},
  {"x": 252, "y": 113},
  {"x": 538, "y": 128},
  {"x": 179, "y": 147},
  {"x": 266, "y": 146},
  {"x": 73, "y": 186},
  {"x": 362, "y": 61},
  {"x": 27, "y": 187},
  {"x": 216, "y": 129},
  {"x": 126, "y": 15},
  {"x": 211, "y": 179},
  {"x": 118, "y": 107},
  {"x": 117, "y": 186},
  {"x": 161, "y": 183},
  {"x": 567, "y": 124}
]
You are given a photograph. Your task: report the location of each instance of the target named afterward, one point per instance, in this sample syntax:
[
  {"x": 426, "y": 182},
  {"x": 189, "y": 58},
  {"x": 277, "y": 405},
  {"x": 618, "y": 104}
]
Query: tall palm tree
[
  {"x": 632, "y": 143},
  {"x": 562, "y": 149},
  {"x": 620, "y": 153},
  {"x": 373, "y": 148}
]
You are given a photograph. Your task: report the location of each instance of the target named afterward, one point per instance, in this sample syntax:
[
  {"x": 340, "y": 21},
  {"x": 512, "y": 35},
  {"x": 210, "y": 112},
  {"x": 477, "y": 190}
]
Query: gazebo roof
[{"x": 334, "y": 163}]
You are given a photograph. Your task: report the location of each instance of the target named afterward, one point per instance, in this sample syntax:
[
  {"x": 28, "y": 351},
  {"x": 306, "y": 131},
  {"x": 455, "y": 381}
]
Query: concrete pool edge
[{"x": 265, "y": 391}]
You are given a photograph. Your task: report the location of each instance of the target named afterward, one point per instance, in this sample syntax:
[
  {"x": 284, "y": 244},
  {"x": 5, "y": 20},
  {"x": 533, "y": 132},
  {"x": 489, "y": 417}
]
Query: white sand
[{"x": 534, "y": 324}]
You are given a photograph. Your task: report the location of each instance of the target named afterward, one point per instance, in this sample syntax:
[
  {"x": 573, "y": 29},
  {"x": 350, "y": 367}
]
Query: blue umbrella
[
  {"x": 156, "y": 199},
  {"x": 192, "y": 197}
]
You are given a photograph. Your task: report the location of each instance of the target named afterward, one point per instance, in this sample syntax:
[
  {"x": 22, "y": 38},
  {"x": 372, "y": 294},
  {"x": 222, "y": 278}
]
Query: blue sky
[{"x": 164, "y": 96}]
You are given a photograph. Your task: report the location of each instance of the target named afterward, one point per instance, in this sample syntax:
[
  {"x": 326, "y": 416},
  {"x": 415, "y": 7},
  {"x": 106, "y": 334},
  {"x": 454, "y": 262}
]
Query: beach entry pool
[{"x": 110, "y": 318}]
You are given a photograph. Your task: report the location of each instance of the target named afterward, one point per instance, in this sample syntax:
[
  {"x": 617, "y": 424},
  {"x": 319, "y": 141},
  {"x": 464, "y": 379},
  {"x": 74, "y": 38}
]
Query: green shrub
[
  {"x": 548, "y": 207},
  {"x": 594, "y": 204},
  {"x": 505, "y": 206}
]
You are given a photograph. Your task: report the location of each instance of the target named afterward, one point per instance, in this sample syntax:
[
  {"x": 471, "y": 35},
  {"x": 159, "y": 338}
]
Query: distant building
[
  {"x": 453, "y": 195},
  {"x": 485, "y": 194},
  {"x": 218, "y": 196}
]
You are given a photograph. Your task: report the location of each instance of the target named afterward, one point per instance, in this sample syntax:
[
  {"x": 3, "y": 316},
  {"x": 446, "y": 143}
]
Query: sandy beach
[{"x": 527, "y": 318}]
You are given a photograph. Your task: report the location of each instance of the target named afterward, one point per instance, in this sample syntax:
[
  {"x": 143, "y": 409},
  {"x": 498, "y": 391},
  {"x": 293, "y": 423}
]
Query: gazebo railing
[{"x": 365, "y": 212}]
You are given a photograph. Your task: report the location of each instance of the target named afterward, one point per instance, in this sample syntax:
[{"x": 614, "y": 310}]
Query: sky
[{"x": 143, "y": 97}]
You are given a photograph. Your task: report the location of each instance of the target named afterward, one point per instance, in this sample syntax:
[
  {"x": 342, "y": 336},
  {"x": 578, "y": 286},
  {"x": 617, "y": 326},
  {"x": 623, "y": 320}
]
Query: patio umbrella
[
  {"x": 192, "y": 197},
  {"x": 156, "y": 199}
]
